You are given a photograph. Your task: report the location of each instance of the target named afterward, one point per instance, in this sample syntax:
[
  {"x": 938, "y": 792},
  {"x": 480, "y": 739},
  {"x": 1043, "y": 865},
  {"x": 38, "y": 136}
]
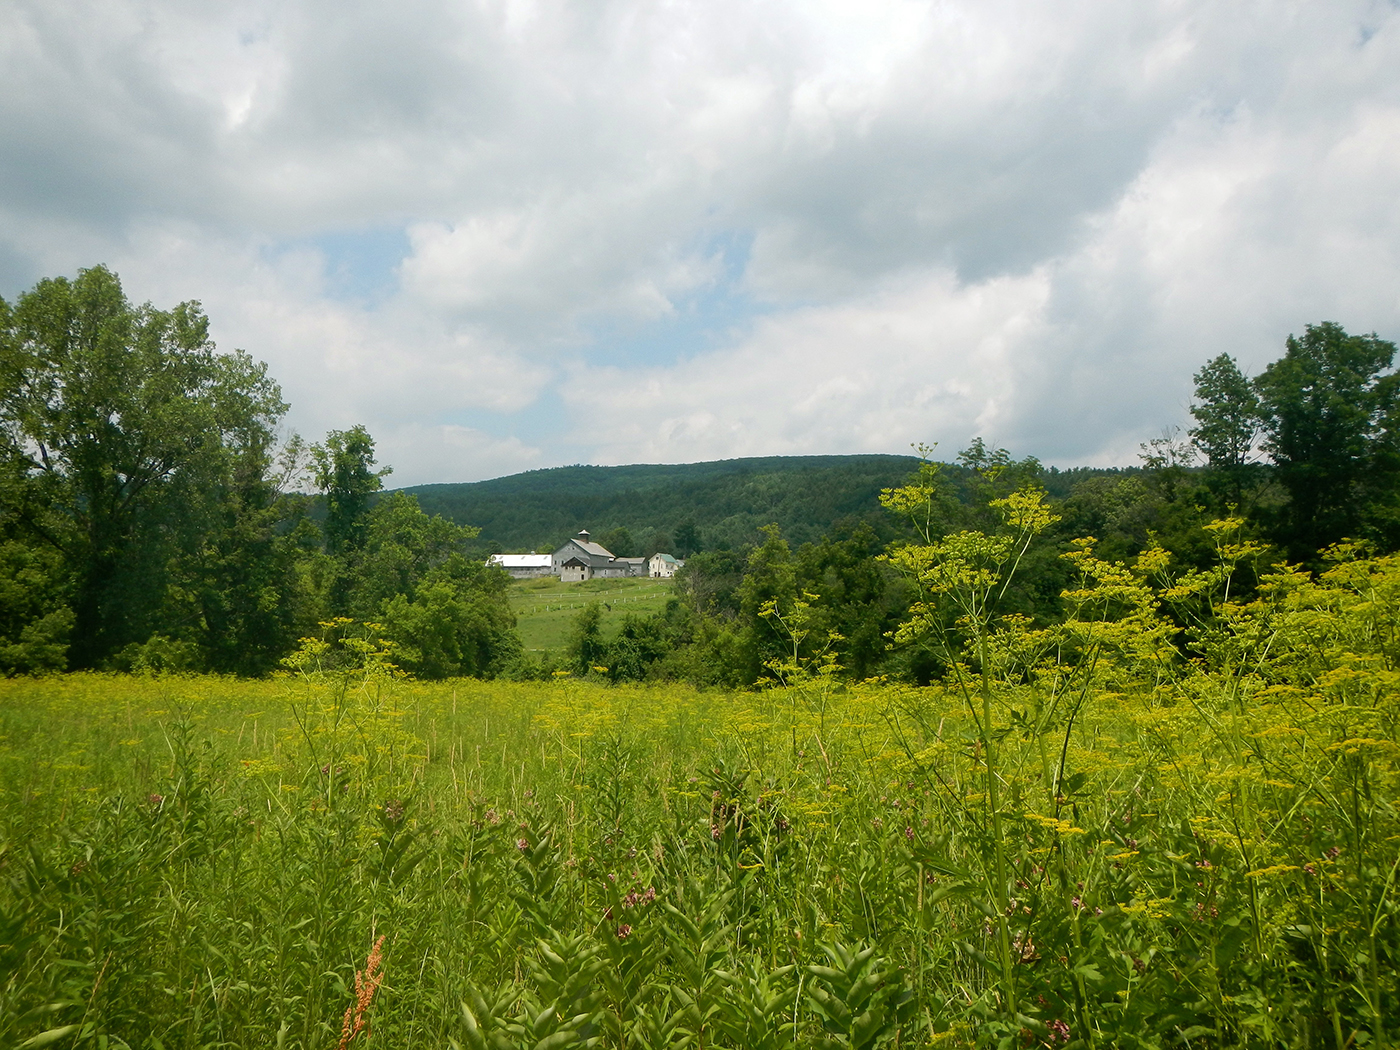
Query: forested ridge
[
  {"x": 150, "y": 518},
  {"x": 643, "y": 507},
  {"x": 728, "y": 500}
]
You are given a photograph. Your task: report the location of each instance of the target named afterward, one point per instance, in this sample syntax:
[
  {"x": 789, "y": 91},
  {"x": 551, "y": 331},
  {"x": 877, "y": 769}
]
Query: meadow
[
  {"x": 1205, "y": 857},
  {"x": 545, "y": 608}
]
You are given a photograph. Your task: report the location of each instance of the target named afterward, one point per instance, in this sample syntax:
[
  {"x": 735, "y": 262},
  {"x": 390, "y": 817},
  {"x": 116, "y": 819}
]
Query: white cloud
[
  {"x": 1026, "y": 220},
  {"x": 872, "y": 375},
  {"x": 401, "y": 374},
  {"x": 450, "y": 452}
]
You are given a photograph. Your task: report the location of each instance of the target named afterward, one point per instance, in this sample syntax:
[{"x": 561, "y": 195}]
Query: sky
[{"x": 510, "y": 234}]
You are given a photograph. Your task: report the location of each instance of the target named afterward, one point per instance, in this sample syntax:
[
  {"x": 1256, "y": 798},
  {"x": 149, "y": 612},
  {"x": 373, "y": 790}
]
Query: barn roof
[{"x": 521, "y": 561}]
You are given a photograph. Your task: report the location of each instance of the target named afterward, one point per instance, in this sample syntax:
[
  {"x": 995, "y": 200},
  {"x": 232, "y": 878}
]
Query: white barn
[{"x": 523, "y": 566}]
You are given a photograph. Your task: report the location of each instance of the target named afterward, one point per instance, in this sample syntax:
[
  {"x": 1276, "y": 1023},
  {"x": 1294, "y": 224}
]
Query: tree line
[
  {"x": 645, "y": 508},
  {"x": 1306, "y": 454},
  {"x": 150, "y": 518}
]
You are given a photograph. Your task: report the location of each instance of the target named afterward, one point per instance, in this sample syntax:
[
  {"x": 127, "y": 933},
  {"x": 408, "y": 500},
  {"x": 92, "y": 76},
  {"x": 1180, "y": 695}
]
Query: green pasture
[
  {"x": 341, "y": 854},
  {"x": 545, "y": 608}
]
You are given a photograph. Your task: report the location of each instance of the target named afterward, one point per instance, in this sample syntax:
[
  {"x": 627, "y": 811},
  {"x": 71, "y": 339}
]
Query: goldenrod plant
[{"x": 1167, "y": 819}]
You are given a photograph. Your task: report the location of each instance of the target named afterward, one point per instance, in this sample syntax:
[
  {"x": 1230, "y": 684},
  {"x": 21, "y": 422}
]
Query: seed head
[{"x": 367, "y": 982}]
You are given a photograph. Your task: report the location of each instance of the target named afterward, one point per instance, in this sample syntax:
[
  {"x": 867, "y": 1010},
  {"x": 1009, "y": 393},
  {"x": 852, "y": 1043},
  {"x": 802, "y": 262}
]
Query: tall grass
[{"x": 1189, "y": 853}]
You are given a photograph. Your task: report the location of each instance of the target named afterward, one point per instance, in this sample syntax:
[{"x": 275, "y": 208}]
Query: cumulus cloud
[
  {"x": 404, "y": 376},
  {"x": 865, "y": 376},
  {"x": 510, "y": 233}
]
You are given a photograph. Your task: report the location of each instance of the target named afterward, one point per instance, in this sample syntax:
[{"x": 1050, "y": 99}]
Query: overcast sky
[{"x": 507, "y": 235}]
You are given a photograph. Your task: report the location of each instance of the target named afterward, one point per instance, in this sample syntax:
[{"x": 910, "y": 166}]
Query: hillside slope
[{"x": 726, "y": 500}]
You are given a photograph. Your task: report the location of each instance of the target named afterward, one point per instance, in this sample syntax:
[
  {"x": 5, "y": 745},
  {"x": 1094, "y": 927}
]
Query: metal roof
[
  {"x": 521, "y": 561},
  {"x": 592, "y": 549}
]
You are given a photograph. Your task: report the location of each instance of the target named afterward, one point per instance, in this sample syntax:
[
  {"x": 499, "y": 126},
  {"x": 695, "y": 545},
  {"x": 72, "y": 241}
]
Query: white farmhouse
[{"x": 663, "y": 566}]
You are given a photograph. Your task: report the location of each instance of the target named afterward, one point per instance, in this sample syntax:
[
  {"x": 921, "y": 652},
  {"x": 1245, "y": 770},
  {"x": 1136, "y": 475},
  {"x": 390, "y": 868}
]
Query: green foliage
[
  {"x": 687, "y": 539},
  {"x": 35, "y": 623},
  {"x": 770, "y": 583},
  {"x": 703, "y": 505},
  {"x": 451, "y": 629},
  {"x": 711, "y": 581},
  {"x": 1167, "y": 819},
  {"x": 447, "y": 613},
  {"x": 620, "y": 542},
  {"x": 1328, "y": 407},
  {"x": 120, "y": 426},
  {"x": 860, "y": 1002},
  {"x": 343, "y": 469},
  {"x": 586, "y": 648},
  {"x": 1226, "y": 411},
  {"x": 858, "y": 600}
]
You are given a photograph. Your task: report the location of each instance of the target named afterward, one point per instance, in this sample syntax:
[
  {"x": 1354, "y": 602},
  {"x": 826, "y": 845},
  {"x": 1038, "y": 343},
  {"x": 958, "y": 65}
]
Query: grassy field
[
  {"x": 545, "y": 608},
  {"x": 1100, "y": 852}
]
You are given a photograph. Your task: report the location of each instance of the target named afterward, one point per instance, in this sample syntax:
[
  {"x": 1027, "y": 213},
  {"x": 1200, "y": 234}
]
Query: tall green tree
[
  {"x": 113, "y": 418},
  {"x": 1227, "y": 432},
  {"x": 1328, "y": 407},
  {"x": 35, "y": 620},
  {"x": 687, "y": 538},
  {"x": 1226, "y": 410},
  {"x": 414, "y": 573},
  {"x": 619, "y": 542},
  {"x": 399, "y": 547},
  {"x": 586, "y": 646},
  {"x": 857, "y": 595},
  {"x": 343, "y": 469},
  {"x": 769, "y": 576},
  {"x": 235, "y": 591}
]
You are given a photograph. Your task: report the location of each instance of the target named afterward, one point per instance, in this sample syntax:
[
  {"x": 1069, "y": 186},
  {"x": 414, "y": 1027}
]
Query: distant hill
[{"x": 726, "y": 500}]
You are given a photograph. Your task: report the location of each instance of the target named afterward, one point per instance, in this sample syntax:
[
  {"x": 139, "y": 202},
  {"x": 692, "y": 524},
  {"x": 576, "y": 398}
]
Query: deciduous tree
[
  {"x": 1226, "y": 411},
  {"x": 1328, "y": 407},
  {"x": 114, "y": 420},
  {"x": 343, "y": 469}
]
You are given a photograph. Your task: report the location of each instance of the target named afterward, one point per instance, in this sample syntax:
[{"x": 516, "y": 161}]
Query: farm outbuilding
[
  {"x": 581, "y": 559},
  {"x": 663, "y": 566},
  {"x": 523, "y": 566}
]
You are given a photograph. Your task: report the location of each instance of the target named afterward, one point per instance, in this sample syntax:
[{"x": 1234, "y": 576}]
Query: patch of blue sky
[
  {"x": 701, "y": 319},
  {"x": 361, "y": 266},
  {"x": 544, "y": 421}
]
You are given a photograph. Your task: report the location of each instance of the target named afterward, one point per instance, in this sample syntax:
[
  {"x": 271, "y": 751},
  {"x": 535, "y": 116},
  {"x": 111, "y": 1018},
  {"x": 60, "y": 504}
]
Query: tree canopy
[
  {"x": 1328, "y": 410},
  {"x": 145, "y": 517},
  {"x": 122, "y": 428}
]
